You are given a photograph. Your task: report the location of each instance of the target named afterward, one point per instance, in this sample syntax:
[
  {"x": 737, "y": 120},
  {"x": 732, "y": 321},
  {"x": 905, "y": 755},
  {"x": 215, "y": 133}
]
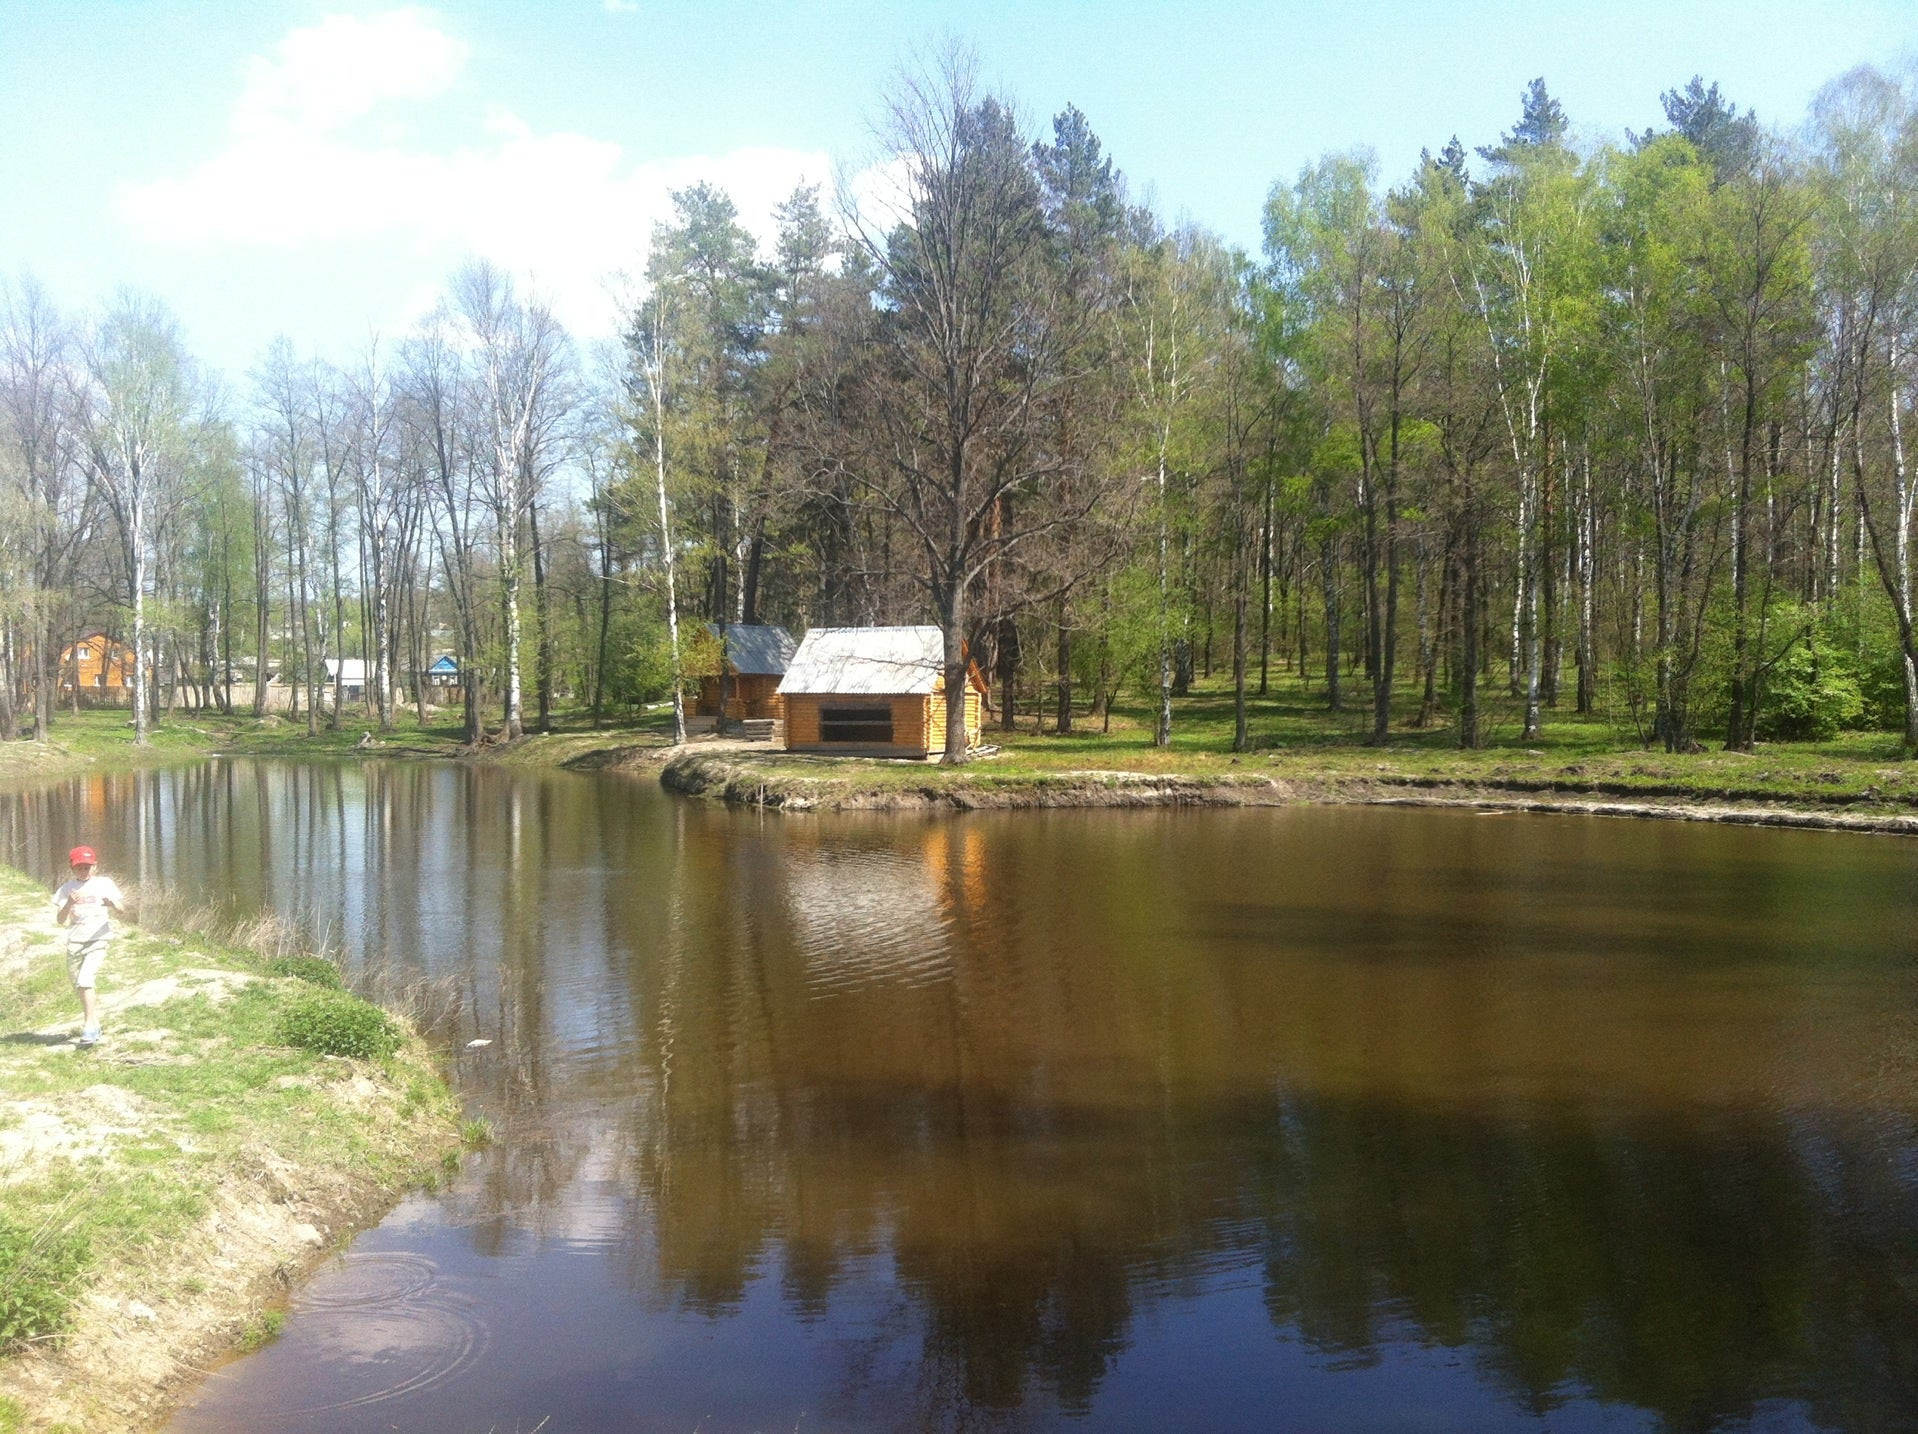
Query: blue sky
[{"x": 317, "y": 169}]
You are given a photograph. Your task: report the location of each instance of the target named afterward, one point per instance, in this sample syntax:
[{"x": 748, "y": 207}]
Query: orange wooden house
[
  {"x": 755, "y": 658},
  {"x": 874, "y": 691},
  {"x": 98, "y": 666}
]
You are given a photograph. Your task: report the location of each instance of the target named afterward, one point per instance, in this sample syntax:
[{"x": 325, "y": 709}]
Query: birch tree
[
  {"x": 136, "y": 410},
  {"x": 518, "y": 349}
]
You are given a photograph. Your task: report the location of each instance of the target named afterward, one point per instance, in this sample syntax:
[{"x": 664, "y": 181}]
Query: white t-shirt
[{"x": 90, "y": 912}]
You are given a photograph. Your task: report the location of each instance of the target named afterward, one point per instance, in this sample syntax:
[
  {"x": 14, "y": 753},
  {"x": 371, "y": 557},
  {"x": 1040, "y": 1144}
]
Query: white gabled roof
[{"x": 868, "y": 661}]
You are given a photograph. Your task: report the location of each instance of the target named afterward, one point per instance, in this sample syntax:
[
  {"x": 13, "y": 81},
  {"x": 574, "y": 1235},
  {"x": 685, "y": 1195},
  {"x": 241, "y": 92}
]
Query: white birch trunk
[{"x": 1902, "y": 499}]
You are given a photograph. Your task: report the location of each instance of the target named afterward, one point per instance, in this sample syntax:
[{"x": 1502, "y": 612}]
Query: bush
[
  {"x": 314, "y": 970},
  {"x": 39, "y": 1271},
  {"x": 260, "y": 1331},
  {"x": 1812, "y": 696},
  {"x": 336, "y": 1024}
]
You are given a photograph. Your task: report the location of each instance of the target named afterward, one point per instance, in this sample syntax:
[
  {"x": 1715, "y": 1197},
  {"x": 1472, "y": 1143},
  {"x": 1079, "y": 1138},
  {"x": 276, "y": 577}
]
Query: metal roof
[
  {"x": 756, "y": 651},
  {"x": 868, "y": 661}
]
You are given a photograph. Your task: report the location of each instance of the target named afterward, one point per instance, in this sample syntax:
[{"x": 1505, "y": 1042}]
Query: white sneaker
[{"x": 89, "y": 1037}]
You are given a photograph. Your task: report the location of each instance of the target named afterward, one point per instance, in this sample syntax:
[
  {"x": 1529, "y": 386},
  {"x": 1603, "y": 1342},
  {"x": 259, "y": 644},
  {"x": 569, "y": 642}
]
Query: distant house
[
  {"x": 444, "y": 682},
  {"x": 874, "y": 691},
  {"x": 98, "y": 666},
  {"x": 756, "y": 658},
  {"x": 350, "y": 674}
]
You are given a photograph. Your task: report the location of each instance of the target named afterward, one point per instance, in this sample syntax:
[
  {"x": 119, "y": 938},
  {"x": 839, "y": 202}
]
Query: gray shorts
[{"x": 83, "y": 962}]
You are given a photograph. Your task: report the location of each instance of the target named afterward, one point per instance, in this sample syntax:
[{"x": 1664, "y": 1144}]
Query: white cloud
[
  {"x": 563, "y": 209},
  {"x": 323, "y": 77}
]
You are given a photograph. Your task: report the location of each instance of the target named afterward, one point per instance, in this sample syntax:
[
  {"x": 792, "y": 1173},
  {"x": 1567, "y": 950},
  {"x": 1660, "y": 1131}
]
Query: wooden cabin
[
  {"x": 756, "y": 658},
  {"x": 99, "y": 666},
  {"x": 874, "y": 692}
]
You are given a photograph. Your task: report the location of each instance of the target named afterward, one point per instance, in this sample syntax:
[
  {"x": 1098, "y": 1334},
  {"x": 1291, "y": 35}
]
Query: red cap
[{"x": 82, "y": 856}]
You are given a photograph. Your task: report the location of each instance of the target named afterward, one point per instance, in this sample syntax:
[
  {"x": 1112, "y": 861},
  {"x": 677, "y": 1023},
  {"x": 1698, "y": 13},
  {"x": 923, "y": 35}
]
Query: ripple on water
[
  {"x": 376, "y": 1353},
  {"x": 369, "y": 1281},
  {"x": 869, "y": 917}
]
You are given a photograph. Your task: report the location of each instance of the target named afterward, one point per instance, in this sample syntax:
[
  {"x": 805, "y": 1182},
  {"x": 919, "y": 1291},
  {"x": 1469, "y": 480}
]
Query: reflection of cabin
[
  {"x": 100, "y": 667},
  {"x": 875, "y": 691},
  {"x": 756, "y": 659}
]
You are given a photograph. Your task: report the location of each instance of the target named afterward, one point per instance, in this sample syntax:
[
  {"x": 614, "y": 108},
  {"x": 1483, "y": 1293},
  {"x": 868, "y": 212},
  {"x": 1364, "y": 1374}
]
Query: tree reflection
[
  {"x": 1611, "y": 1112},
  {"x": 1044, "y": 1151}
]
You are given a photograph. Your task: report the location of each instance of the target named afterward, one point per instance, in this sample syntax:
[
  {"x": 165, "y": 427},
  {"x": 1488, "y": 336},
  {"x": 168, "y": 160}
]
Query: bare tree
[
  {"x": 519, "y": 352},
  {"x": 43, "y": 461},
  {"x": 972, "y": 346},
  {"x": 137, "y": 408}
]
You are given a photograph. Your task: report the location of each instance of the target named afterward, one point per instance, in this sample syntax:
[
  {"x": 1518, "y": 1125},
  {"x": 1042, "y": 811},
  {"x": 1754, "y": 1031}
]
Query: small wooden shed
[
  {"x": 874, "y": 691},
  {"x": 756, "y": 658}
]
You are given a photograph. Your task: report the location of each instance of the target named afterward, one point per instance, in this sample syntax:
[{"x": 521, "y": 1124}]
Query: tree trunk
[
  {"x": 657, "y": 379},
  {"x": 1062, "y": 626},
  {"x": 1470, "y": 619},
  {"x": 542, "y": 612}
]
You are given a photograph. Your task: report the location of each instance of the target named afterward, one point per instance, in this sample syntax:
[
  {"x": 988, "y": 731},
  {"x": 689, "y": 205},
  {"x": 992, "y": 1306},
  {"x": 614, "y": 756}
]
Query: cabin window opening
[
  {"x": 867, "y": 723},
  {"x": 83, "y": 653}
]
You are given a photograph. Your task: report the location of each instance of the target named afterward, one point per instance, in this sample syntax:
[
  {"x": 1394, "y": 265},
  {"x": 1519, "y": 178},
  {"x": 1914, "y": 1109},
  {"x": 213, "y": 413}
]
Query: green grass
[
  {"x": 314, "y": 970},
  {"x": 40, "y": 1277},
  {"x": 335, "y": 1023},
  {"x": 477, "y": 1132},
  {"x": 103, "y": 738},
  {"x": 260, "y": 1331},
  {"x": 188, "y": 1100},
  {"x": 1294, "y": 738}
]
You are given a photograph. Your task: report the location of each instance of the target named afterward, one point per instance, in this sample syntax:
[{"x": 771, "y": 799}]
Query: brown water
[{"x": 1300, "y": 1119}]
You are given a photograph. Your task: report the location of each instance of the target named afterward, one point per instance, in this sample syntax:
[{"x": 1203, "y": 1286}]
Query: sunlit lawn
[{"x": 1292, "y": 736}]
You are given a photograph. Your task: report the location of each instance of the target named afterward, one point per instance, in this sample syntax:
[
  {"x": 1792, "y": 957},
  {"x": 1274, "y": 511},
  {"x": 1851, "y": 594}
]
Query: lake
[{"x": 1309, "y": 1118}]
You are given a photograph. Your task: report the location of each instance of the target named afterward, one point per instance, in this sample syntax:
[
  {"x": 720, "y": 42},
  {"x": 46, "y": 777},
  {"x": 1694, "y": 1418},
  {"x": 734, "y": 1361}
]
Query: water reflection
[{"x": 1308, "y": 1119}]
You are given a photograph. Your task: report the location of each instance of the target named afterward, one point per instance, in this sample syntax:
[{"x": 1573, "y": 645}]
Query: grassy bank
[
  {"x": 159, "y": 1192},
  {"x": 1300, "y": 752},
  {"x": 102, "y": 740}
]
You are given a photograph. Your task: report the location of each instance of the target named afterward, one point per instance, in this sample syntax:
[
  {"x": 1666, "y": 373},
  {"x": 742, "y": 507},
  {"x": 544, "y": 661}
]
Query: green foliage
[
  {"x": 477, "y": 1133},
  {"x": 1879, "y": 662},
  {"x": 314, "y": 970},
  {"x": 1812, "y": 695},
  {"x": 260, "y": 1331},
  {"x": 40, "y": 1270},
  {"x": 336, "y": 1024},
  {"x": 639, "y": 666}
]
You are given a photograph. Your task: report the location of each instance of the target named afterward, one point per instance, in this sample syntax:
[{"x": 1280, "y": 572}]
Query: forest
[{"x": 1612, "y": 427}]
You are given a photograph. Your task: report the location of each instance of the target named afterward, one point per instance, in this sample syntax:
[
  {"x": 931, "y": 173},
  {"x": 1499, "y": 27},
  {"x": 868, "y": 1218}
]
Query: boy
[{"x": 83, "y": 905}]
